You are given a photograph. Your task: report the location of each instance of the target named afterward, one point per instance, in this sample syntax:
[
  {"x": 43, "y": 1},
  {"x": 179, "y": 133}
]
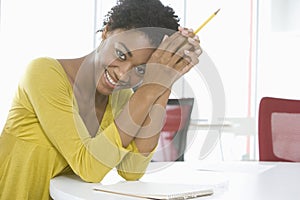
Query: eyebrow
[{"x": 127, "y": 50}]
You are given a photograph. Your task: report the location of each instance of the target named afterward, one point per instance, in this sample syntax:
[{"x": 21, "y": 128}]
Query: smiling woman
[
  {"x": 131, "y": 49},
  {"x": 80, "y": 115}
]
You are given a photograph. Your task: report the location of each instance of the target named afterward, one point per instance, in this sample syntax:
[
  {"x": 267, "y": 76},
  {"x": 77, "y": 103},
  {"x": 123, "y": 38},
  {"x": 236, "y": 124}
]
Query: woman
[{"x": 80, "y": 115}]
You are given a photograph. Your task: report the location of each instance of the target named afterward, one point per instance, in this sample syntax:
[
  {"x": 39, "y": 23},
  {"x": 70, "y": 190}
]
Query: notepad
[{"x": 153, "y": 190}]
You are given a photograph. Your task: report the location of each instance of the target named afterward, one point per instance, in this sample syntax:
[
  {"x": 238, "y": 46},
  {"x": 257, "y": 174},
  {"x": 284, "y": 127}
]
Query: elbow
[
  {"x": 130, "y": 176},
  {"x": 91, "y": 179},
  {"x": 92, "y": 173},
  {"x": 91, "y": 176}
]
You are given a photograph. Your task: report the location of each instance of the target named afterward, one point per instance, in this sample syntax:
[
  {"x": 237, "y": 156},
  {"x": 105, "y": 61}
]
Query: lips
[{"x": 109, "y": 79}]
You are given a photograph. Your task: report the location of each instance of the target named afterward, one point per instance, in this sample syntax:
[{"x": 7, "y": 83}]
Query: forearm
[
  {"x": 147, "y": 138},
  {"x": 175, "y": 56},
  {"x": 134, "y": 114}
]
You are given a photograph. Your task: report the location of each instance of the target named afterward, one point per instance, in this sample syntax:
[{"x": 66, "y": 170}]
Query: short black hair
[{"x": 131, "y": 14}]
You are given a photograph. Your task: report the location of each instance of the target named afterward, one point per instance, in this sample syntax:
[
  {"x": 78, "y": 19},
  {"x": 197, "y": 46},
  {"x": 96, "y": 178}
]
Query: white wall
[
  {"x": 33, "y": 28},
  {"x": 278, "y": 49}
]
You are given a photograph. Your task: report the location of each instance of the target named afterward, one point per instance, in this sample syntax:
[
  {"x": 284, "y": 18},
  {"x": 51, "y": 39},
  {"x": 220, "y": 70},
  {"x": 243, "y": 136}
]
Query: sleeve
[
  {"x": 51, "y": 97},
  {"x": 134, "y": 164}
]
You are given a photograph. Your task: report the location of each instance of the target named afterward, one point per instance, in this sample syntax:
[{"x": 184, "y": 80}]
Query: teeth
[{"x": 110, "y": 79}]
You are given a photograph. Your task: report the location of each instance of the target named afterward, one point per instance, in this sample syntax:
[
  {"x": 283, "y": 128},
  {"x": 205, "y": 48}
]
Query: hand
[
  {"x": 175, "y": 56},
  {"x": 196, "y": 50}
]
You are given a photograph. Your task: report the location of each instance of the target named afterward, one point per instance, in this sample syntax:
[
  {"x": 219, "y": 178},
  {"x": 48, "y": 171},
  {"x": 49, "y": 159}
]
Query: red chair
[
  {"x": 172, "y": 141},
  {"x": 279, "y": 129}
]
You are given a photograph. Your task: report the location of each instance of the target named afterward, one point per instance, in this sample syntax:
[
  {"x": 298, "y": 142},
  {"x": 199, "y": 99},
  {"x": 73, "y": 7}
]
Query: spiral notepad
[{"x": 152, "y": 190}]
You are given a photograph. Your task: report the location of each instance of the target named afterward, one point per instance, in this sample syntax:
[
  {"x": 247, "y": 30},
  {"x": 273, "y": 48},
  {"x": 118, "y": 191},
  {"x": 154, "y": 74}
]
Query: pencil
[{"x": 202, "y": 25}]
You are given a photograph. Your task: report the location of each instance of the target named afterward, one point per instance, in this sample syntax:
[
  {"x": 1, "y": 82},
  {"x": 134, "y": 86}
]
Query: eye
[
  {"x": 120, "y": 54},
  {"x": 140, "y": 70}
]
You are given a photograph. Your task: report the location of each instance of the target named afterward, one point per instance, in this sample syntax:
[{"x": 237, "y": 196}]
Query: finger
[
  {"x": 187, "y": 32},
  {"x": 191, "y": 44},
  {"x": 193, "y": 57},
  {"x": 174, "y": 47},
  {"x": 157, "y": 56},
  {"x": 158, "y": 52},
  {"x": 189, "y": 58},
  {"x": 169, "y": 40},
  {"x": 189, "y": 66},
  {"x": 167, "y": 58},
  {"x": 186, "y": 69},
  {"x": 179, "y": 54},
  {"x": 194, "y": 43},
  {"x": 183, "y": 62},
  {"x": 198, "y": 52},
  {"x": 196, "y": 38},
  {"x": 192, "y": 38}
]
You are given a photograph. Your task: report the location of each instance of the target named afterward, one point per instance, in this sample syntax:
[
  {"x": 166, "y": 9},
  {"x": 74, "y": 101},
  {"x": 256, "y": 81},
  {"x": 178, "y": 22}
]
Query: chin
[{"x": 104, "y": 91}]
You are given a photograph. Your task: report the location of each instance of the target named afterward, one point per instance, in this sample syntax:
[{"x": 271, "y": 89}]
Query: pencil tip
[{"x": 217, "y": 11}]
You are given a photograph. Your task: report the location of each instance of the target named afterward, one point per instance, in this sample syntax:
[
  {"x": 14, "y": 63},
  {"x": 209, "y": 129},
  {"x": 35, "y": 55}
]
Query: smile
[{"x": 109, "y": 78}]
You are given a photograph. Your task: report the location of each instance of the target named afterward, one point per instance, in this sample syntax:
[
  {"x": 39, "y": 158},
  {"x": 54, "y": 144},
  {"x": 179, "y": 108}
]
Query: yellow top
[{"x": 44, "y": 136}]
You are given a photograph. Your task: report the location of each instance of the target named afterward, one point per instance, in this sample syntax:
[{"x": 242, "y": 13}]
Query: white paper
[{"x": 156, "y": 190}]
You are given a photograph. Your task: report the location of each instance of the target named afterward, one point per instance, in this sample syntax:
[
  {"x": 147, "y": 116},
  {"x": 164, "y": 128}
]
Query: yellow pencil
[{"x": 202, "y": 25}]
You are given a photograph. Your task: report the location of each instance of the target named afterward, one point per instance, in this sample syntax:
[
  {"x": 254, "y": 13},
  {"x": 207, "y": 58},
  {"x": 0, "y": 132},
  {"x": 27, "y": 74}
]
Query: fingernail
[
  {"x": 191, "y": 30},
  {"x": 186, "y": 52},
  {"x": 196, "y": 37},
  {"x": 165, "y": 37},
  {"x": 198, "y": 51},
  {"x": 191, "y": 40},
  {"x": 185, "y": 32}
]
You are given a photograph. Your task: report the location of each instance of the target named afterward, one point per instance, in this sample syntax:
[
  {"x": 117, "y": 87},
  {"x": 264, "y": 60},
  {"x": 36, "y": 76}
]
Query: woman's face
[{"x": 120, "y": 60}]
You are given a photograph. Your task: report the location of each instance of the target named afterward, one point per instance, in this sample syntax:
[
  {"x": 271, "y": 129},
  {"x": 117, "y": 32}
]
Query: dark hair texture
[{"x": 131, "y": 14}]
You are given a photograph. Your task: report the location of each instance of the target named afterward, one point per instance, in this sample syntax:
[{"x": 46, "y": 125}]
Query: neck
[
  {"x": 84, "y": 78},
  {"x": 100, "y": 99}
]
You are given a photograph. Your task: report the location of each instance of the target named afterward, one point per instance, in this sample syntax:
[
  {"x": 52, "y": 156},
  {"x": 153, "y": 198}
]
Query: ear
[{"x": 104, "y": 33}]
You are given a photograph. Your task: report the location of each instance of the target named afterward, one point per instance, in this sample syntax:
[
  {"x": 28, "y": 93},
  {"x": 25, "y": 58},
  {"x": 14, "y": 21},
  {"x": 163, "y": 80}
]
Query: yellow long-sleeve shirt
[{"x": 44, "y": 136}]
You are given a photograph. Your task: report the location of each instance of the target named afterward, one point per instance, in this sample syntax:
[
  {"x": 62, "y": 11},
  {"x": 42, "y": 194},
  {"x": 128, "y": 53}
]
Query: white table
[{"x": 231, "y": 180}]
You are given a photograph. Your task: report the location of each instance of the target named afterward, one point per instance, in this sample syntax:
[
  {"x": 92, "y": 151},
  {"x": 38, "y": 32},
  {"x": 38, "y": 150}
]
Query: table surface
[{"x": 230, "y": 180}]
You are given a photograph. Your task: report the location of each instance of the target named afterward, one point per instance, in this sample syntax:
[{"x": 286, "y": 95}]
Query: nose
[{"x": 123, "y": 70}]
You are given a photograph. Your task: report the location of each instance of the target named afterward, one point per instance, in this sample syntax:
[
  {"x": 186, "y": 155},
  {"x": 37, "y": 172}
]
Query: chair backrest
[
  {"x": 172, "y": 141},
  {"x": 279, "y": 129}
]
